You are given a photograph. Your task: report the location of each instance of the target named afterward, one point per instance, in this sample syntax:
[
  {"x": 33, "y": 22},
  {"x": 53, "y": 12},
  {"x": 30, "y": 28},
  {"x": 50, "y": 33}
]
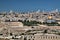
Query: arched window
[
  {"x": 46, "y": 37},
  {"x": 51, "y": 37},
  {"x": 28, "y": 39},
  {"x": 56, "y": 37}
]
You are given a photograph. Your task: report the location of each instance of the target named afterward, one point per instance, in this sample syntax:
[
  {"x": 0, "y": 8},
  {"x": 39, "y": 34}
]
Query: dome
[{"x": 49, "y": 17}]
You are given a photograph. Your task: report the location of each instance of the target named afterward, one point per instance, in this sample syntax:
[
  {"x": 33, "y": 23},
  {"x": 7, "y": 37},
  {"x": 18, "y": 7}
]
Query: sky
[{"x": 27, "y": 5}]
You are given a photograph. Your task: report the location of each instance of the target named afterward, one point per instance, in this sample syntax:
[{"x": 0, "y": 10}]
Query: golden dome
[{"x": 49, "y": 17}]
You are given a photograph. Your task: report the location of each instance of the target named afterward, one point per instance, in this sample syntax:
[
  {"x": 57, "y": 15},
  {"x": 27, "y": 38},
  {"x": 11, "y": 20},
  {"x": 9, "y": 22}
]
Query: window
[
  {"x": 28, "y": 39},
  {"x": 31, "y": 36},
  {"x": 33, "y": 39},
  {"x": 51, "y": 37},
  {"x": 46, "y": 37},
  {"x": 34, "y": 36},
  {"x": 43, "y": 37},
  {"x": 56, "y": 37},
  {"x": 25, "y": 38}
]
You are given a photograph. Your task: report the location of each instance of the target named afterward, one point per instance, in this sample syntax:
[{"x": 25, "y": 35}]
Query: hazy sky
[{"x": 25, "y": 5}]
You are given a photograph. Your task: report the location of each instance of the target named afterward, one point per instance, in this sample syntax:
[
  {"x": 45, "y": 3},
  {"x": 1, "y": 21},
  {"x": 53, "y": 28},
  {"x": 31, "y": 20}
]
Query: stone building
[{"x": 42, "y": 37}]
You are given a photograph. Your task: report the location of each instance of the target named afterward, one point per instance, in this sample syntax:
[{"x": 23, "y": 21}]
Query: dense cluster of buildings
[{"x": 12, "y": 28}]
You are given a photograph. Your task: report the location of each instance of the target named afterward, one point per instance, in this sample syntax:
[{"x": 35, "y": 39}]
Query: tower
[{"x": 56, "y": 10}]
